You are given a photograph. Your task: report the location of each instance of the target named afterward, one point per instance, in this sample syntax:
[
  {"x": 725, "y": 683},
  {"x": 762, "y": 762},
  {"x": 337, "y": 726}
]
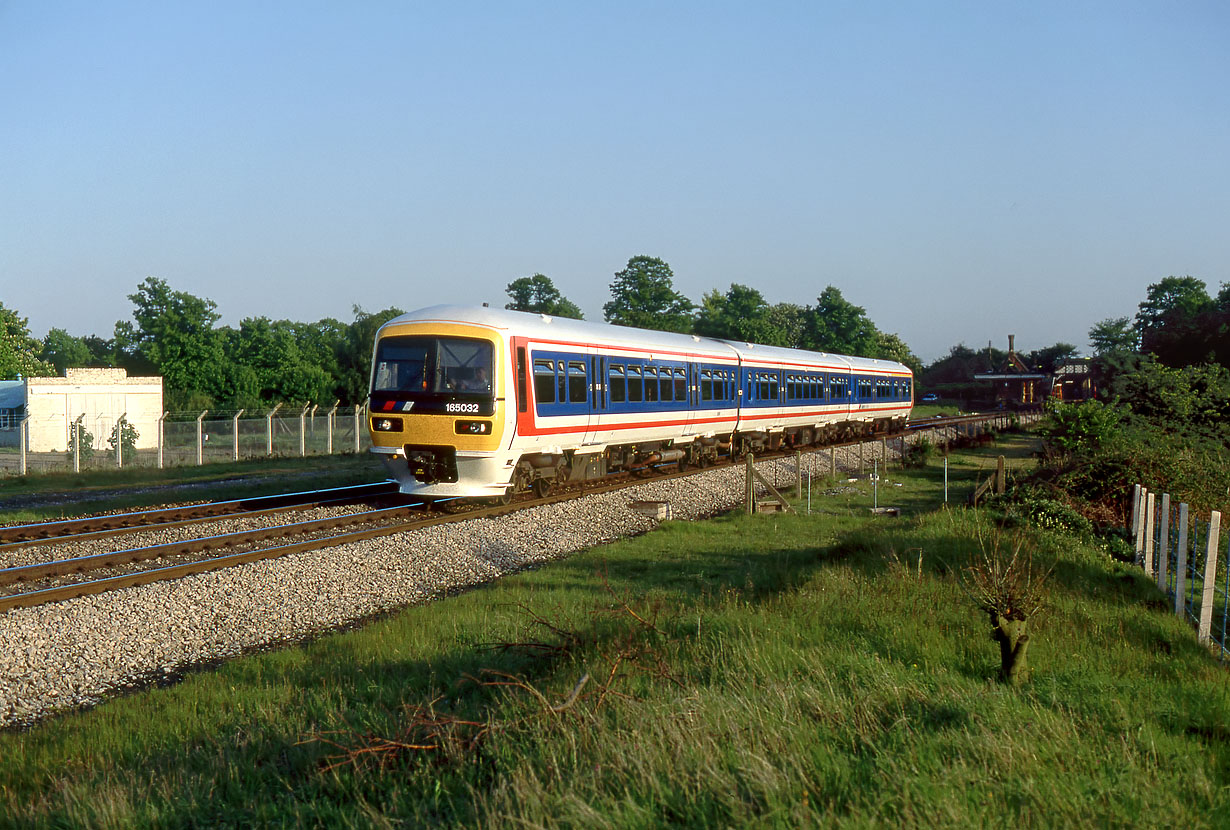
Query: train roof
[{"x": 547, "y": 326}]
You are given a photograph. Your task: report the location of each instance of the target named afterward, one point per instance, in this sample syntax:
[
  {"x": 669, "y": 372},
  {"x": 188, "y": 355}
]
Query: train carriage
[{"x": 480, "y": 402}]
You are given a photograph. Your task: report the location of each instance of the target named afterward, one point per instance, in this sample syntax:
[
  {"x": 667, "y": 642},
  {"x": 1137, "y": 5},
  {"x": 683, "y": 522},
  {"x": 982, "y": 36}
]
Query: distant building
[
  {"x": 1016, "y": 385},
  {"x": 96, "y": 397}
]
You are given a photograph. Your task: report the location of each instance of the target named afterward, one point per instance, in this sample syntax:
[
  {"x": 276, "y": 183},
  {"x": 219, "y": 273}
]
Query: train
[{"x": 483, "y": 403}]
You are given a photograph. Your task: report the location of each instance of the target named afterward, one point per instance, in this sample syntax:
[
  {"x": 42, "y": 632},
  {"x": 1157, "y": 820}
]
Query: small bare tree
[{"x": 1011, "y": 590}]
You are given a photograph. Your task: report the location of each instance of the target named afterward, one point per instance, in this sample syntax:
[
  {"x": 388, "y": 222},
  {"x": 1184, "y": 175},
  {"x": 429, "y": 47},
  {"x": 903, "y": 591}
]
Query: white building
[{"x": 98, "y": 397}]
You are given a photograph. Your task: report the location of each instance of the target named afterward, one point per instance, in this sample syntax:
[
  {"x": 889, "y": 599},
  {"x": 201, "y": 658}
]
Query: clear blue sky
[{"x": 962, "y": 170}]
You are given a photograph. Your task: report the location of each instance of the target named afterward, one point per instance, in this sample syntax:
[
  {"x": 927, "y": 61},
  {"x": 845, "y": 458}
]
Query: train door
[{"x": 596, "y": 381}]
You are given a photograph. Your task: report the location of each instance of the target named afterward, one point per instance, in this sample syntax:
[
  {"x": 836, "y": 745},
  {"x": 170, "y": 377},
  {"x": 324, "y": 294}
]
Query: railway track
[{"x": 56, "y": 580}]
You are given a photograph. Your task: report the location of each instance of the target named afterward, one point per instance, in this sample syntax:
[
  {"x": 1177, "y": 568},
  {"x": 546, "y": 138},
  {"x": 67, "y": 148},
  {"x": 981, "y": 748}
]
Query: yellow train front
[{"x": 437, "y": 405}]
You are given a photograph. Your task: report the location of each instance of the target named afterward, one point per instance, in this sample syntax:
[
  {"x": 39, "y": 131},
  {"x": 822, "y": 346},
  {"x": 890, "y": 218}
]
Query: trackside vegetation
[{"x": 831, "y": 668}]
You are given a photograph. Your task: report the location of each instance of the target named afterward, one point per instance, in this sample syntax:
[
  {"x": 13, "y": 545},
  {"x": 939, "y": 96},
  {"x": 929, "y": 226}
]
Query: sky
[{"x": 963, "y": 171}]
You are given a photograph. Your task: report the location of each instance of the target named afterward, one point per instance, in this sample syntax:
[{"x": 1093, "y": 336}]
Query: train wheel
[
  {"x": 542, "y": 488},
  {"x": 505, "y": 499},
  {"x": 683, "y": 464}
]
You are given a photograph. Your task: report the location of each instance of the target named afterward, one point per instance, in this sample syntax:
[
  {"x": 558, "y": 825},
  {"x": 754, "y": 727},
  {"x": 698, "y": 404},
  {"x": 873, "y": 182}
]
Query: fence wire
[{"x": 179, "y": 439}]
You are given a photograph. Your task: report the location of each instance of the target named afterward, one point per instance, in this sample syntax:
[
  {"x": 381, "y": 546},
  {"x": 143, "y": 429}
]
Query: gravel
[{"x": 77, "y": 652}]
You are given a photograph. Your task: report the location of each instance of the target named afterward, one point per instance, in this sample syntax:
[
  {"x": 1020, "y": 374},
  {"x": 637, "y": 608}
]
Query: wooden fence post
[
  {"x": 750, "y": 490},
  {"x": 1210, "y": 578}
]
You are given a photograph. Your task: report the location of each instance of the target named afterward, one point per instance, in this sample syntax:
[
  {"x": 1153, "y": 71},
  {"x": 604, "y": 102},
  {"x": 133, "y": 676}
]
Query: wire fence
[
  {"x": 1186, "y": 556},
  {"x": 182, "y": 439}
]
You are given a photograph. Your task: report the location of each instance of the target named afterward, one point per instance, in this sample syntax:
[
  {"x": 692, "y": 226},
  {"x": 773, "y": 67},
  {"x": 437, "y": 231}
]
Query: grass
[
  {"x": 774, "y": 671},
  {"x": 96, "y": 491}
]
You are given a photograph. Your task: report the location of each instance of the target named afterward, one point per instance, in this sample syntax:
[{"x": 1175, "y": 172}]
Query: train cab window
[
  {"x": 651, "y": 383},
  {"x": 908, "y": 394},
  {"x": 433, "y": 365},
  {"x": 636, "y": 387},
  {"x": 578, "y": 385},
  {"x": 544, "y": 381},
  {"x": 681, "y": 384},
  {"x": 618, "y": 384}
]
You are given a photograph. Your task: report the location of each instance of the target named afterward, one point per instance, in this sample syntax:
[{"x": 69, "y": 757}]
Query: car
[{"x": 930, "y": 397}]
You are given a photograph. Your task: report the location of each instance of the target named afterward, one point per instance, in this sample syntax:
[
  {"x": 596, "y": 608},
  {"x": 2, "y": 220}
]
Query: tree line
[{"x": 262, "y": 362}]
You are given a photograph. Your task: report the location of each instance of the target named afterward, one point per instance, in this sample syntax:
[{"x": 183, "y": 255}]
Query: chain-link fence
[{"x": 183, "y": 438}]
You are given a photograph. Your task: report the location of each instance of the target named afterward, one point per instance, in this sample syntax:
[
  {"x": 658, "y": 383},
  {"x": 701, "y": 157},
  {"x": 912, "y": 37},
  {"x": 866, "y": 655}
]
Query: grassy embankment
[{"x": 764, "y": 671}]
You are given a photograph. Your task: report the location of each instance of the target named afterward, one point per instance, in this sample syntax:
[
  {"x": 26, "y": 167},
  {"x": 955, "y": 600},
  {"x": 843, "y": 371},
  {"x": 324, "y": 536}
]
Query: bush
[{"x": 919, "y": 454}]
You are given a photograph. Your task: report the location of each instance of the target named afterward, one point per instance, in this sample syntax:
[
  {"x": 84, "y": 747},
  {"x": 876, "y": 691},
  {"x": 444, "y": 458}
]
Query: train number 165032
[{"x": 471, "y": 408}]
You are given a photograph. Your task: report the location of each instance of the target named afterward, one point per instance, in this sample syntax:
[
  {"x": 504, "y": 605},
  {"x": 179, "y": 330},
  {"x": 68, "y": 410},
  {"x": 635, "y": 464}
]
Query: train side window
[
  {"x": 706, "y": 384},
  {"x": 522, "y": 402},
  {"x": 666, "y": 386},
  {"x": 578, "y": 385},
  {"x": 651, "y": 383},
  {"x": 562, "y": 378},
  {"x": 636, "y": 387},
  {"x": 618, "y": 384},
  {"x": 681, "y": 385},
  {"x": 544, "y": 381}
]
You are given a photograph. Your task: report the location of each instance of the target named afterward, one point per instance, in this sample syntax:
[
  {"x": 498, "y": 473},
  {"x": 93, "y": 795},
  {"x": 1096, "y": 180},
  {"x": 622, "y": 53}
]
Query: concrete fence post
[
  {"x": 329, "y": 427},
  {"x": 358, "y": 421},
  {"x": 80, "y": 422},
  {"x": 235, "y": 435},
  {"x": 1212, "y": 549},
  {"x": 1135, "y": 511},
  {"x": 1163, "y": 543},
  {"x": 269, "y": 429},
  {"x": 119, "y": 442},
  {"x": 1150, "y": 517},
  {"x": 23, "y": 438},
  {"x": 303, "y": 429},
  {"x": 162, "y": 420},
  {"x": 798, "y": 474},
  {"x": 1138, "y": 527},
  {"x": 200, "y": 438},
  {"x": 1180, "y": 568}
]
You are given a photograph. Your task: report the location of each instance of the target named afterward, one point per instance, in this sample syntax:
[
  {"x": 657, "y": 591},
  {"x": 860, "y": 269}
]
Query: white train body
[{"x": 481, "y": 402}]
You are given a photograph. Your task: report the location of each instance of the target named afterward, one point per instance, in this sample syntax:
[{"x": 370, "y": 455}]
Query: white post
[
  {"x": 1163, "y": 539},
  {"x": 1149, "y": 521},
  {"x": 77, "y": 443},
  {"x": 303, "y": 429},
  {"x": 235, "y": 433},
  {"x": 358, "y": 419},
  {"x": 1180, "y": 568},
  {"x": 329, "y": 427},
  {"x": 1210, "y": 578},
  {"x": 161, "y": 437},
  {"x": 1135, "y": 511},
  {"x": 200, "y": 438},
  {"x": 269, "y": 428},
  {"x": 1138, "y": 527},
  {"x": 119, "y": 442},
  {"x": 23, "y": 435}
]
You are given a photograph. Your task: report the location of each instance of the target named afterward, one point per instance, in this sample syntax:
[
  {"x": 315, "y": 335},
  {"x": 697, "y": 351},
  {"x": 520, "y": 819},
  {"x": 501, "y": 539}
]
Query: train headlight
[
  {"x": 386, "y": 424},
  {"x": 472, "y": 427}
]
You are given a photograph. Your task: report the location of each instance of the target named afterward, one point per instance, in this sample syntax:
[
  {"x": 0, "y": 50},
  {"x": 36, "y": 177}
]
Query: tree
[
  {"x": 19, "y": 352},
  {"x": 175, "y": 335},
  {"x": 283, "y": 372},
  {"x": 62, "y": 351},
  {"x": 1048, "y": 358},
  {"x": 892, "y": 347},
  {"x": 354, "y": 355},
  {"x": 1114, "y": 336},
  {"x": 643, "y": 296},
  {"x": 837, "y": 325},
  {"x": 740, "y": 314},
  {"x": 539, "y": 295},
  {"x": 1176, "y": 323}
]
